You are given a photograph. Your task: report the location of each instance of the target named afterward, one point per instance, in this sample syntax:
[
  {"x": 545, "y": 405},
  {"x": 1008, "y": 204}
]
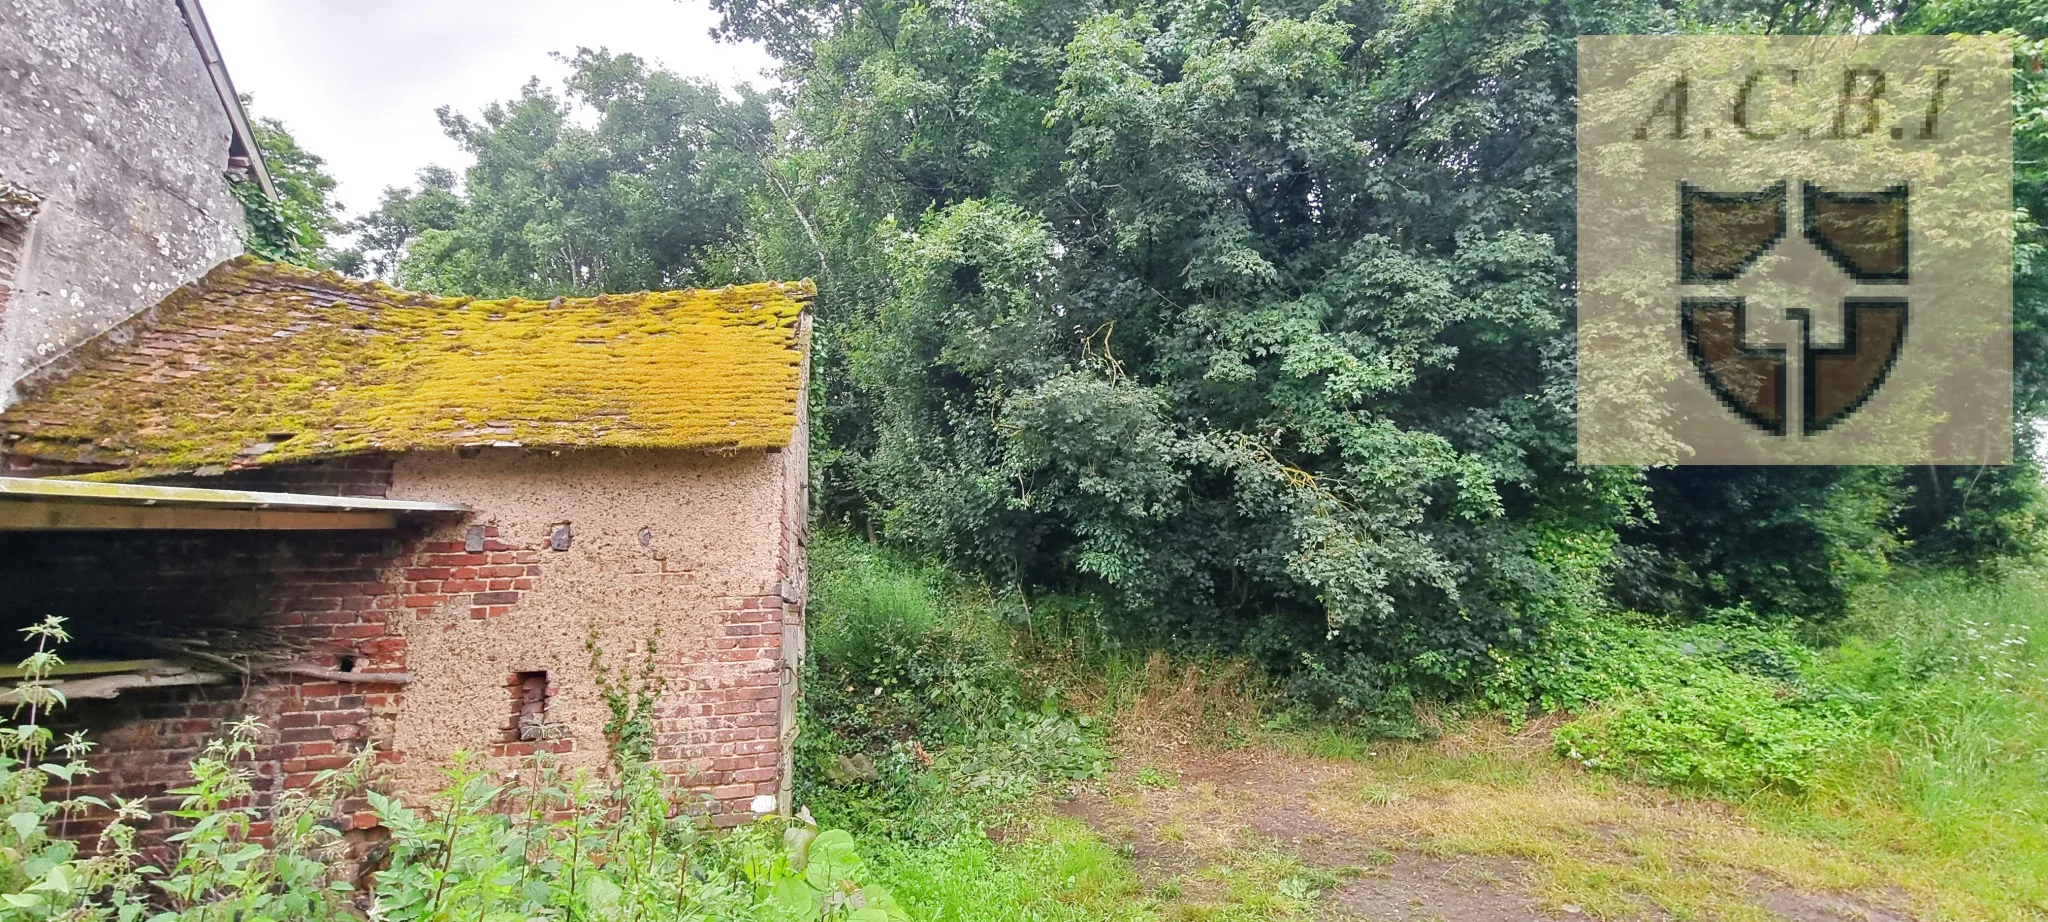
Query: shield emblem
[{"x": 1723, "y": 234}]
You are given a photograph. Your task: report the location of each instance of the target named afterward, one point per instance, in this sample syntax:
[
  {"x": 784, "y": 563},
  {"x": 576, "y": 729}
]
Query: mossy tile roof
[{"x": 259, "y": 363}]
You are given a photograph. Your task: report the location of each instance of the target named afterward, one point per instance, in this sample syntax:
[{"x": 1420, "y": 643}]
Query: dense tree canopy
[
  {"x": 644, "y": 198},
  {"x": 1253, "y": 322}
]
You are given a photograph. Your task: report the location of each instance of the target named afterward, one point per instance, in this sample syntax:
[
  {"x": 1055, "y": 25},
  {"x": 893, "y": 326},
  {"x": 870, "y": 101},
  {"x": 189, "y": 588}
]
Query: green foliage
[
  {"x": 1586, "y": 661},
  {"x": 1960, "y": 673},
  {"x": 1061, "y": 873},
  {"x": 640, "y": 197},
  {"x": 401, "y": 216},
  {"x": 215, "y": 873},
  {"x": 1254, "y": 323},
  {"x": 556, "y": 845},
  {"x": 295, "y": 227},
  {"x": 41, "y": 875},
  {"x": 1938, "y": 680},
  {"x": 218, "y": 873},
  {"x": 269, "y": 232},
  {"x": 1718, "y": 730},
  {"x": 1724, "y": 707},
  {"x": 916, "y": 721},
  {"x": 538, "y": 843},
  {"x": 1249, "y": 324},
  {"x": 1187, "y": 307},
  {"x": 631, "y": 695}
]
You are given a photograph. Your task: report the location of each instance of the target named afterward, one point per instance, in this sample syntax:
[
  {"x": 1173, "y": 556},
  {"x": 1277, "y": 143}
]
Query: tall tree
[
  {"x": 1253, "y": 319},
  {"x": 1256, "y": 318},
  {"x": 647, "y": 195},
  {"x": 401, "y": 216}
]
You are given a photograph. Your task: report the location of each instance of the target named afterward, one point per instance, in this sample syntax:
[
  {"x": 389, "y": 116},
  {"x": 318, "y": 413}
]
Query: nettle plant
[{"x": 540, "y": 842}]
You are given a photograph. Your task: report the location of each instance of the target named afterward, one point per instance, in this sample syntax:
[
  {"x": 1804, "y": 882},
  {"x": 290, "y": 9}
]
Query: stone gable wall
[{"x": 107, "y": 115}]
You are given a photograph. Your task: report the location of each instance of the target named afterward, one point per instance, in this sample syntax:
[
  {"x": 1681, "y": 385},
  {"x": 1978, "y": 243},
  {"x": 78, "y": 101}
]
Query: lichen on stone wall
[
  {"x": 108, "y": 115},
  {"x": 258, "y": 363}
]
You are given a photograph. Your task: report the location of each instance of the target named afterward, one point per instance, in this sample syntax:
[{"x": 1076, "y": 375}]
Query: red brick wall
[
  {"x": 720, "y": 735},
  {"x": 329, "y": 595},
  {"x": 338, "y": 599}
]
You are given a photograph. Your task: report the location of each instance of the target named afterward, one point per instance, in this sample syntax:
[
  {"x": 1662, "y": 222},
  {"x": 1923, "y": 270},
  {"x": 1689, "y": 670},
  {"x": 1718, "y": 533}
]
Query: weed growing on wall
[{"x": 630, "y": 694}]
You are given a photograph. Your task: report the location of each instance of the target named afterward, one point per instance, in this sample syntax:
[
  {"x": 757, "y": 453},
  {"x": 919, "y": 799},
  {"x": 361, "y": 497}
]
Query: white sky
[{"x": 357, "y": 81}]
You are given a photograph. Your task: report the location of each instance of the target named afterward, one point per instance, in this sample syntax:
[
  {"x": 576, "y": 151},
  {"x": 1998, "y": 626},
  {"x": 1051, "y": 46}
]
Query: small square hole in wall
[{"x": 530, "y": 694}]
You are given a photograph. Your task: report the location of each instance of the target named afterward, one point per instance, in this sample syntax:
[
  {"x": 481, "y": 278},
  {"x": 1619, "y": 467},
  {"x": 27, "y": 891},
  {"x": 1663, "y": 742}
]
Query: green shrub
[
  {"x": 1715, "y": 730},
  {"x": 1585, "y": 660},
  {"x": 916, "y": 721},
  {"x": 1727, "y": 706}
]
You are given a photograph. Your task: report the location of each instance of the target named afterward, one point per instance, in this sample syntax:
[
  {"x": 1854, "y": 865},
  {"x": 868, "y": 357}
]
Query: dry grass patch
[{"x": 1481, "y": 823}]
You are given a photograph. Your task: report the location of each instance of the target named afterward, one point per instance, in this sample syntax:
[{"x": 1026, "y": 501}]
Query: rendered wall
[
  {"x": 108, "y": 116},
  {"x": 683, "y": 547}
]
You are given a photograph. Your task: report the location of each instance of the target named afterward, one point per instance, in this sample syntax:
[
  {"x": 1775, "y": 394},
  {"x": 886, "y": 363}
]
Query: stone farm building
[{"x": 382, "y": 520}]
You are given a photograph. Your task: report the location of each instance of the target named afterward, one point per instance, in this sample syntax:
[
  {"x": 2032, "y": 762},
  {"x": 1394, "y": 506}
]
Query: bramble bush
[
  {"x": 540, "y": 843},
  {"x": 1718, "y": 730},
  {"x": 1725, "y": 706}
]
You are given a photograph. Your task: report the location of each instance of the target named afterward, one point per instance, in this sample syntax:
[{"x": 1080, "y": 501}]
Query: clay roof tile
[{"x": 364, "y": 367}]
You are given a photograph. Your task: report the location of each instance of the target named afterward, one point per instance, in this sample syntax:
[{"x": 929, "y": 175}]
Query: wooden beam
[
  {"x": 108, "y": 686},
  {"x": 146, "y": 673},
  {"x": 37, "y": 515},
  {"x": 94, "y": 667}
]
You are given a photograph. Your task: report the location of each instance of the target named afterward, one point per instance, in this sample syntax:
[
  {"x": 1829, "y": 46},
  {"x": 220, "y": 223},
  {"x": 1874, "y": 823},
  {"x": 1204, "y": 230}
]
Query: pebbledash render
[{"x": 579, "y": 475}]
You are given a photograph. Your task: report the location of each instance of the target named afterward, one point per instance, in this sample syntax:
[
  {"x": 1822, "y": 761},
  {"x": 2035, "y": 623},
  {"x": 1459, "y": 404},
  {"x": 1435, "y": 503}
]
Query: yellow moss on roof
[{"x": 258, "y": 363}]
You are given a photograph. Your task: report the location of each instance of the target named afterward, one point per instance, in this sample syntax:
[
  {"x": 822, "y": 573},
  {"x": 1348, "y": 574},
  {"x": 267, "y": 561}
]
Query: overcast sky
[{"x": 357, "y": 81}]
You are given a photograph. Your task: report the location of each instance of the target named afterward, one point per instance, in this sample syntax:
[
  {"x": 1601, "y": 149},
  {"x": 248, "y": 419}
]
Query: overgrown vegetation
[
  {"x": 918, "y": 722},
  {"x": 295, "y": 227},
  {"x": 1902, "y": 751},
  {"x": 1934, "y": 703},
  {"x": 544, "y": 842},
  {"x": 1242, "y": 333},
  {"x": 940, "y": 724},
  {"x": 1718, "y": 707}
]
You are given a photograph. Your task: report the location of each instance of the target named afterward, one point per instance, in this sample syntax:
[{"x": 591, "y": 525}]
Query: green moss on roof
[{"x": 259, "y": 363}]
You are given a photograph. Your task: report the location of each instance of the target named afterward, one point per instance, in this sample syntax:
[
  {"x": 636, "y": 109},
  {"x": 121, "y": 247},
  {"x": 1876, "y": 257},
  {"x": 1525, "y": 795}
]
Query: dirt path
[{"x": 1439, "y": 834}]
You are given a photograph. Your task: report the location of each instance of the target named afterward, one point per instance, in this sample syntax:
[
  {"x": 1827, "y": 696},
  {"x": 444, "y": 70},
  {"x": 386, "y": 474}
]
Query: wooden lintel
[{"x": 37, "y": 515}]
